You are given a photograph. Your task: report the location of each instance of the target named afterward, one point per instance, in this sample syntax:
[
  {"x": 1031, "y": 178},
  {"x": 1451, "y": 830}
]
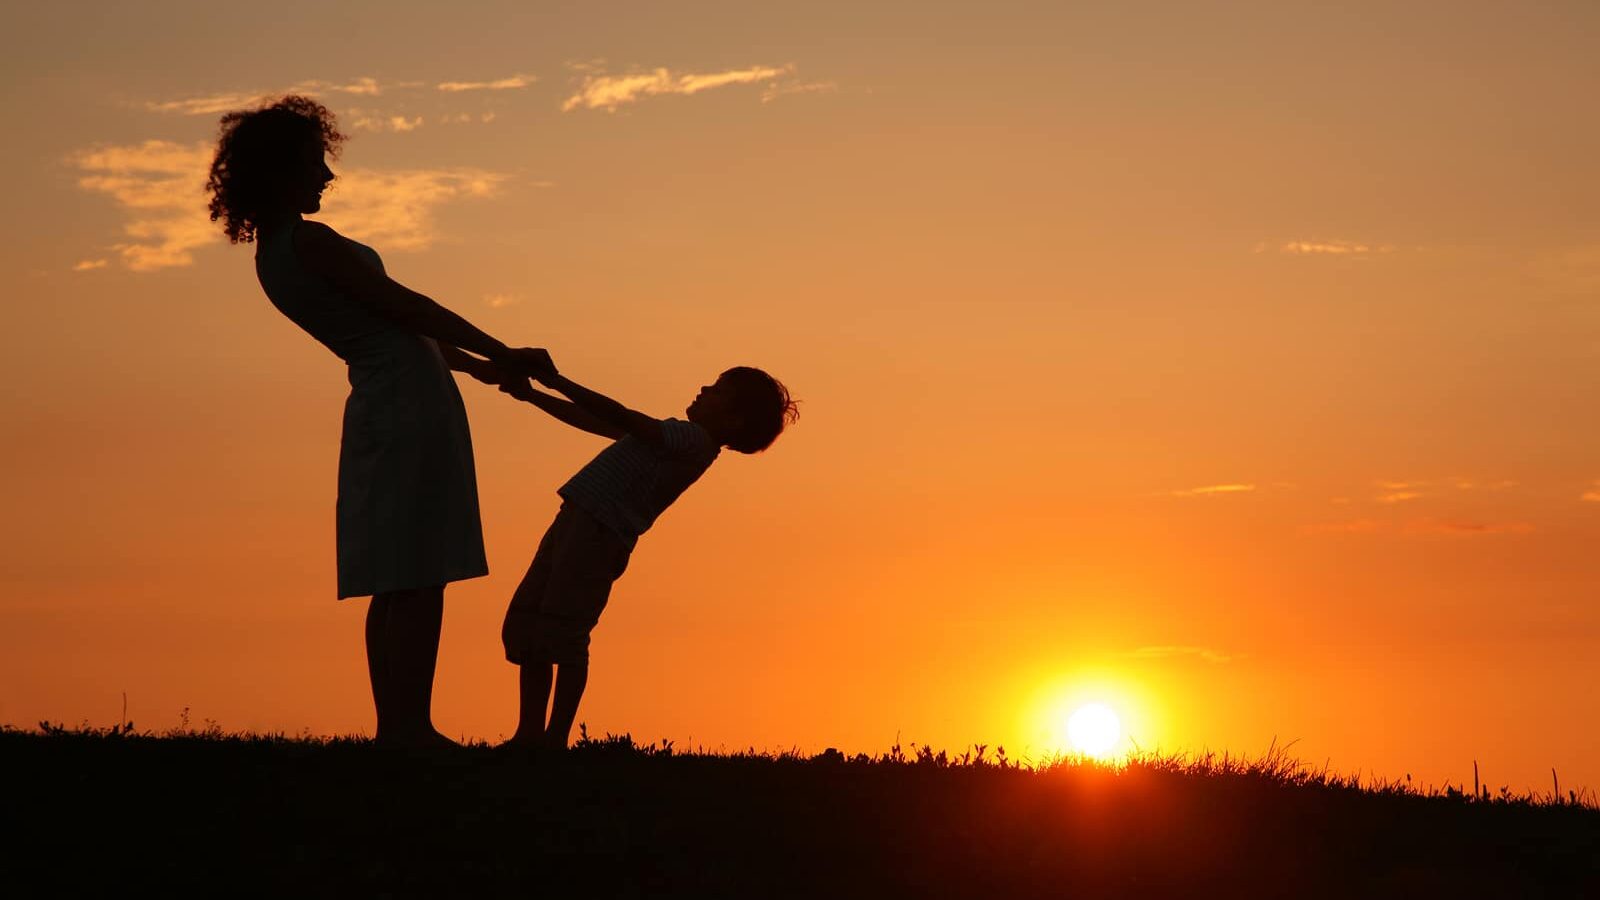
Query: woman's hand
[
  {"x": 530, "y": 362},
  {"x": 487, "y": 373}
]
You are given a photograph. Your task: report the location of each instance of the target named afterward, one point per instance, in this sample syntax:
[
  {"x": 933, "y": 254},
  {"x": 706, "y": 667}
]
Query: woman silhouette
[{"x": 407, "y": 512}]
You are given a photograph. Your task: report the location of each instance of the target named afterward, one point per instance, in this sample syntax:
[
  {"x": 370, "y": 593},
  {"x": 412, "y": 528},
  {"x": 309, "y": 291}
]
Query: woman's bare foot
[{"x": 421, "y": 740}]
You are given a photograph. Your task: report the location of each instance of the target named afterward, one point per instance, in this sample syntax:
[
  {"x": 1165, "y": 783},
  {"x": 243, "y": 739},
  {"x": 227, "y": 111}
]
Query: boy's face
[{"x": 713, "y": 406}]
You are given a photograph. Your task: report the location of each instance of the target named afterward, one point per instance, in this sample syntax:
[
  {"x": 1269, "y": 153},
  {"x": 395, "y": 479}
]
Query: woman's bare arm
[
  {"x": 462, "y": 361},
  {"x": 324, "y": 252}
]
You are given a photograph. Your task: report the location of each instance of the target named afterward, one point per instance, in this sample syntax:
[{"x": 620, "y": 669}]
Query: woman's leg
[
  {"x": 407, "y": 630},
  {"x": 378, "y": 665}
]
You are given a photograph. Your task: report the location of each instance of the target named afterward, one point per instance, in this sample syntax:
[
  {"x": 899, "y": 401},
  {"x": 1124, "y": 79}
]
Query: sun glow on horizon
[
  {"x": 1094, "y": 730},
  {"x": 1101, "y": 715}
]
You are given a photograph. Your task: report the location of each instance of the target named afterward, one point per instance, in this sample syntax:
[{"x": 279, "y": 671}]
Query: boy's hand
[{"x": 519, "y": 387}]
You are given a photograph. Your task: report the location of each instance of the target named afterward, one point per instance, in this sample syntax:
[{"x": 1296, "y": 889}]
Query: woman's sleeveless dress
[{"x": 408, "y": 495}]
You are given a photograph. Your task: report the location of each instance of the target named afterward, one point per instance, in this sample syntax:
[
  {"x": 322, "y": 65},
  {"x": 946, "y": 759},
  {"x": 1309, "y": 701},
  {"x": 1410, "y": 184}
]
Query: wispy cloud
[
  {"x": 466, "y": 118},
  {"x": 502, "y": 84},
  {"x": 362, "y": 119},
  {"x": 395, "y": 209},
  {"x": 1213, "y": 490},
  {"x": 1325, "y": 248},
  {"x": 1473, "y": 484},
  {"x": 89, "y": 265},
  {"x": 1398, "y": 496},
  {"x": 501, "y": 301},
  {"x": 1399, "y": 491},
  {"x": 1168, "y": 651},
  {"x": 1403, "y": 491},
  {"x": 778, "y": 89},
  {"x": 209, "y": 104},
  {"x": 607, "y": 92},
  {"x": 160, "y": 188},
  {"x": 368, "y": 87},
  {"x": 1592, "y": 495},
  {"x": 219, "y": 102}
]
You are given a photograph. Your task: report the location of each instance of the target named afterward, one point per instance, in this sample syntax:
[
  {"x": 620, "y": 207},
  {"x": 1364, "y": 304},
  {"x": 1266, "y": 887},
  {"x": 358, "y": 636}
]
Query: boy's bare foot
[{"x": 523, "y": 747}]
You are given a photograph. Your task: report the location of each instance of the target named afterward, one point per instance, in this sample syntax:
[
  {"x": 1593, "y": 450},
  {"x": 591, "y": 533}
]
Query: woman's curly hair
[{"x": 255, "y": 147}]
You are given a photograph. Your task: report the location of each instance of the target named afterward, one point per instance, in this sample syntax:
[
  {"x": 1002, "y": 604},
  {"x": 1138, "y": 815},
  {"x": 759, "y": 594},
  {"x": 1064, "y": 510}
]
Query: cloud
[
  {"x": 207, "y": 105},
  {"x": 89, "y": 265},
  {"x": 776, "y": 90},
  {"x": 1399, "y": 491},
  {"x": 608, "y": 92},
  {"x": 465, "y": 118},
  {"x": 1398, "y": 496},
  {"x": 160, "y": 185},
  {"x": 395, "y": 209},
  {"x": 160, "y": 188},
  {"x": 211, "y": 104},
  {"x": 1402, "y": 491},
  {"x": 1169, "y": 651},
  {"x": 1213, "y": 490},
  {"x": 375, "y": 121},
  {"x": 1326, "y": 248},
  {"x": 365, "y": 86},
  {"x": 1592, "y": 495},
  {"x": 504, "y": 84},
  {"x": 1472, "y": 484},
  {"x": 501, "y": 301}
]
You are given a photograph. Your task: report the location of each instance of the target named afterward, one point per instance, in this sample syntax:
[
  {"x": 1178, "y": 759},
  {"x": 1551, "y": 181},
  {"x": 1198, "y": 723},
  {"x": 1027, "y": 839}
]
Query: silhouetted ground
[{"x": 208, "y": 814}]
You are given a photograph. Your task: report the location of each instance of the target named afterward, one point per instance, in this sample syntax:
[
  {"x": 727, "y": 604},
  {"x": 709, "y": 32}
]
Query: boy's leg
[
  {"x": 571, "y": 679},
  {"x": 582, "y": 558},
  {"x": 535, "y": 679}
]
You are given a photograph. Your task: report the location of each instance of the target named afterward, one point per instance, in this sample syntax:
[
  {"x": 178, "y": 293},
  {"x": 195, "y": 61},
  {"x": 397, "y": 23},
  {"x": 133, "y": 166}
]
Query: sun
[{"x": 1094, "y": 730}]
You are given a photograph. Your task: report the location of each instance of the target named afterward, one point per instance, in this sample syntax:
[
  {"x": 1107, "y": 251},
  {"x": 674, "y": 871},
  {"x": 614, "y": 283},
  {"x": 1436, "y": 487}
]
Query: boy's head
[{"x": 746, "y": 409}]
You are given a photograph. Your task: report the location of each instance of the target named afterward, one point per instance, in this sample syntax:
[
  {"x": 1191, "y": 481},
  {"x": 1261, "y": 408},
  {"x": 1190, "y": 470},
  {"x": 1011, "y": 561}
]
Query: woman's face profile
[{"x": 307, "y": 177}]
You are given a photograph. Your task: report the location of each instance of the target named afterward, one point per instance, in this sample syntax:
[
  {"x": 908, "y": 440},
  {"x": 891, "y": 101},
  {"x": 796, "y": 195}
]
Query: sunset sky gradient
[{"x": 1234, "y": 364}]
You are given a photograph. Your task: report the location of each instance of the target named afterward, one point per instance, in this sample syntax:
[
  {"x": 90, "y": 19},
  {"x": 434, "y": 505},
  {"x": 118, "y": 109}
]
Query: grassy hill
[{"x": 206, "y": 813}]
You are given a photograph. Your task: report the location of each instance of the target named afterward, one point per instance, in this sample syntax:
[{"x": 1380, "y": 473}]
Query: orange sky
[{"x": 1234, "y": 367}]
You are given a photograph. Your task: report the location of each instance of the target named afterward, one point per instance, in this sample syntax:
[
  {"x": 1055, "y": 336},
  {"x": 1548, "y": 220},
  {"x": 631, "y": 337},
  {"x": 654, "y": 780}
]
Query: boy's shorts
[{"x": 561, "y": 597}]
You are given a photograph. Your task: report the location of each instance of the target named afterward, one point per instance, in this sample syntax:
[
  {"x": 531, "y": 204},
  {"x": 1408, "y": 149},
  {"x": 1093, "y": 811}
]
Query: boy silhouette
[{"x": 605, "y": 507}]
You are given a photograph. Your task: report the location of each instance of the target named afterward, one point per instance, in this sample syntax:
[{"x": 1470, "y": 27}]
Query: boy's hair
[{"x": 764, "y": 408}]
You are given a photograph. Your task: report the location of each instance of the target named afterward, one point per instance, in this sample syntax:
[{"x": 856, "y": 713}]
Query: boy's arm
[
  {"x": 562, "y": 410},
  {"x": 607, "y": 410}
]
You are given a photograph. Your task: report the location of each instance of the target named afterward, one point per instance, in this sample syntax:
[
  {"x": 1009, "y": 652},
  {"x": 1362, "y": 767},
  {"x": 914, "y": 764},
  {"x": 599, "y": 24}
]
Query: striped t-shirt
[{"x": 628, "y": 484}]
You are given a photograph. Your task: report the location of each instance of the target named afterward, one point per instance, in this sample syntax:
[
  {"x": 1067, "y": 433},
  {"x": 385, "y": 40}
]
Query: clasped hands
[{"x": 511, "y": 370}]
